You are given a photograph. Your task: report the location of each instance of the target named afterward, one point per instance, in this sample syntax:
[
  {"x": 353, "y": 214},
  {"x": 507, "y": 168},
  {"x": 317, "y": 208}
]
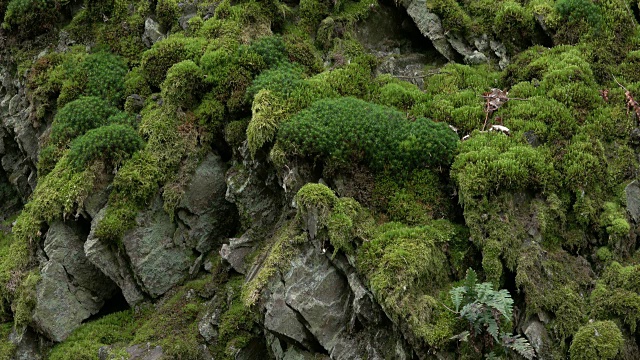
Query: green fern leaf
[
  {"x": 518, "y": 344},
  {"x": 457, "y": 295}
]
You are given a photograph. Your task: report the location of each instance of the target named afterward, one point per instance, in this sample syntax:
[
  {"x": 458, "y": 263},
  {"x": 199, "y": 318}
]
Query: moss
[
  {"x": 235, "y": 132},
  {"x": 276, "y": 252},
  {"x": 405, "y": 267},
  {"x": 493, "y": 162},
  {"x": 315, "y": 196},
  {"x": 183, "y": 84},
  {"x": 598, "y": 340},
  {"x": 348, "y": 130},
  {"x": 25, "y": 300},
  {"x": 514, "y": 25},
  {"x": 554, "y": 282},
  {"x": 613, "y": 219},
  {"x": 167, "y": 12},
  {"x": 156, "y": 61},
  {"x": 135, "y": 83},
  {"x": 7, "y": 348},
  {"x": 616, "y": 295},
  {"x": 454, "y": 18},
  {"x": 267, "y": 113}
]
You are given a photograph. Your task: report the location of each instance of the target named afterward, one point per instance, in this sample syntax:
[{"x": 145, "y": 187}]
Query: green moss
[
  {"x": 348, "y": 130},
  {"x": 111, "y": 143},
  {"x": 554, "y": 282},
  {"x": 25, "y": 300},
  {"x": 156, "y": 61},
  {"x": 616, "y": 295},
  {"x": 493, "y": 162},
  {"x": 183, "y": 84},
  {"x": 167, "y": 12},
  {"x": 79, "y": 116},
  {"x": 404, "y": 267},
  {"x": 514, "y": 25},
  {"x": 313, "y": 11},
  {"x": 7, "y": 348},
  {"x": 598, "y": 340},
  {"x": 454, "y": 18},
  {"x": 235, "y": 132}
]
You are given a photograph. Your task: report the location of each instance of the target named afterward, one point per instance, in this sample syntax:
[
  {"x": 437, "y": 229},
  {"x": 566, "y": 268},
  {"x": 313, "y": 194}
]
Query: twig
[
  {"x": 509, "y": 98},
  {"x": 616, "y": 80}
]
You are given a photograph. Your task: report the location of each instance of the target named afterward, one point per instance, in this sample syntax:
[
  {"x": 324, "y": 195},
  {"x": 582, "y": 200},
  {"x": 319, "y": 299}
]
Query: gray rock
[
  {"x": 71, "y": 288},
  {"x": 283, "y": 321},
  {"x": 152, "y": 33},
  {"x": 539, "y": 338},
  {"x": 156, "y": 260},
  {"x": 476, "y": 58},
  {"x": 189, "y": 10},
  {"x": 315, "y": 290},
  {"x": 430, "y": 26},
  {"x": 236, "y": 251},
  {"x": 29, "y": 346},
  {"x": 112, "y": 263},
  {"x": 632, "y": 194},
  {"x": 145, "y": 352},
  {"x": 296, "y": 354},
  {"x": 205, "y": 216}
]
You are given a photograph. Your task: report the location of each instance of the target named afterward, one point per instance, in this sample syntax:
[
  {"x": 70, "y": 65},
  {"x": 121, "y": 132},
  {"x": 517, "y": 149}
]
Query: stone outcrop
[
  {"x": 159, "y": 252},
  {"x": 71, "y": 288}
]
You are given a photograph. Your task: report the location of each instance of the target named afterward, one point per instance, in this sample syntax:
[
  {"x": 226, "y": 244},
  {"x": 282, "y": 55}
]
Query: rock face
[
  {"x": 474, "y": 50},
  {"x": 18, "y": 138},
  {"x": 161, "y": 252},
  {"x": 315, "y": 305},
  {"x": 71, "y": 289}
]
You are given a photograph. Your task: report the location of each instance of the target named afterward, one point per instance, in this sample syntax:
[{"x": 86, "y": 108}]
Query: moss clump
[
  {"x": 158, "y": 60},
  {"x": 515, "y": 24},
  {"x": 405, "y": 267},
  {"x": 598, "y": 340},
  {"x": 79, "y": 116},
  {"x": 348, "y": 130},
  {"x": 414, "y": 200},
  {"x": 7, "y": 348},
  {"x": 31, "y": 17},
  {"x": 111, "y": 143},
  {"x": 183, "y": 84},
  {"x": 616, "y": 294},
  {"x": 25, "y": 300},
  {"x": 115, "y": 329},
  {"x": 453, "y": 16},
  {"x": 493, "y": 162}
]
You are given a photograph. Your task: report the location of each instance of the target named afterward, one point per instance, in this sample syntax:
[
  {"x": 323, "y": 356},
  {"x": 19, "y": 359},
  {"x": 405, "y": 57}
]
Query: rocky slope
[{"x": 310, "y": 179}]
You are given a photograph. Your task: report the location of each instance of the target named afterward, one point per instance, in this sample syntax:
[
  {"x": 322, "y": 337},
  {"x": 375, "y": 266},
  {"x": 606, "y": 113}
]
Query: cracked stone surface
[{"x": 71, "y": 288}]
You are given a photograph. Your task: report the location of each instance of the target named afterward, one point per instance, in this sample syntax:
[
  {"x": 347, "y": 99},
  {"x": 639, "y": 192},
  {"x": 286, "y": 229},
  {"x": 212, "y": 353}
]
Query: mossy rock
[{"x": 597, "y": 340}]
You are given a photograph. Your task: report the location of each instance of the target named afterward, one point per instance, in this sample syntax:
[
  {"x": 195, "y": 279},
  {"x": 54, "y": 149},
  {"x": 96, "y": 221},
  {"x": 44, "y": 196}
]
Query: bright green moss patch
[
  {"x": 183, "y": 84},
  {"x": 111, "y": 143},
  {"x": 616, "y": 294},
  {"x": 25, "y": 300},
  {"x": 598, "y": 340},
  {"x": 494, "y": 162},
  {"x": 349, "y": 130}
]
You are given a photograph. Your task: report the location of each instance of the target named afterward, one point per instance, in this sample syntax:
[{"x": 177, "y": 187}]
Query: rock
[
  {"x": 71, "y": 288},
  {"x": 632, "y": 194},
  {"x": 430, "y": 26},
  {"x": 283, "y": 321},
  {"x": 161, "y": 253},
  {"x": 135, "y": 102},
  {"x": 29, "y": 346},
  {"x": 145, "y": 352},
  {"x": 539, "y": 339},
  {"x": 189, "y": 10},
  {"x": 205, "y": 216},
  {"x": 152, "y": 33},
  {"x": 112, "y": 263},
  {"x": 296, "y": 354},
  {"x": 236, "y": 251},
  {"x": 157, "y": 261}
]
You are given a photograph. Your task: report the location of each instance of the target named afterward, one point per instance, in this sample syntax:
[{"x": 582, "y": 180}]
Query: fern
[
  {"x": 483, "y": 307},
  {"x": 518, "y": 344},
  {"x": 457, "y": 295}
]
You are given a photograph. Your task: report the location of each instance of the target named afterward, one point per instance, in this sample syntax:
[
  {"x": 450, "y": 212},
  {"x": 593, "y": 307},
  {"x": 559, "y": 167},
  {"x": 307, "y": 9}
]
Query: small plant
[{"x": 487, "y": 310}]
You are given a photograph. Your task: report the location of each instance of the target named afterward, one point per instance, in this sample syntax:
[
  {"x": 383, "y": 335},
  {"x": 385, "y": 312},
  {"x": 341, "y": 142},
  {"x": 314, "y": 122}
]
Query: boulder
[
  {"x": 160, "y": 252},
  {"x": 152, "y": 33},
  {"x": 632, "y": 194},
  {"x": 236, "y": 251},
  {"x": 71, "y": 288},
  {"x": 112, "y": 263}
]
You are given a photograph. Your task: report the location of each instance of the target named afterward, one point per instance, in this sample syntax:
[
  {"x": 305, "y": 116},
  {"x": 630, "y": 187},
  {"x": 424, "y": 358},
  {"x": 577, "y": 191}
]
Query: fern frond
[
  {"x": 457, "y": 295},
  {"x": 519, "y": 344}
]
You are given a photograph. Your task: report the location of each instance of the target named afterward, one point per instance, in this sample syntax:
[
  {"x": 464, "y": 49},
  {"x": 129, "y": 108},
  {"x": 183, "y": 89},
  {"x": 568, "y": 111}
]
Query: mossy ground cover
[{"x": 523, "y": 206}]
